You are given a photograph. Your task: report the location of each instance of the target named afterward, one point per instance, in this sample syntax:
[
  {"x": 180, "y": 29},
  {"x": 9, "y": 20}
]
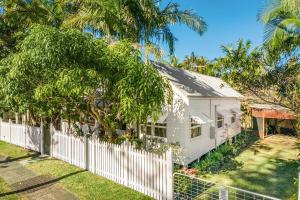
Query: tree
[
  {"x": 198, "y": 64},
  {"x": 174, "y": 61},
  {"x": 142, "y": 21},
  {"x": 158, "y": 23},
  {"x": 113, "y": 19},
  {"x": 281, "y": 47},
  {"x": 281, "y": 19},
  {"x": 272, "y": 75},
  {"x": 16, "y": 17},
  {"x": 70, "y": 71}
]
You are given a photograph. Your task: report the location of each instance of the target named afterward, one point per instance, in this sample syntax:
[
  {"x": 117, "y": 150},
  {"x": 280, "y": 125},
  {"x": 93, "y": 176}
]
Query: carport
[{"x": 270, "y": 119}]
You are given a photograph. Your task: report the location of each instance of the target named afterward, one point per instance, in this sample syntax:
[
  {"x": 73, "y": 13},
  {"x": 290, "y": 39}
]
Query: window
[
  {"x": 195, "y": 129},
  {"x": 146, "y": 128},
  {"x": 160, "y": 130},
  {"x": 220, "y": 121},
  {"x": 233, "y": 117}
]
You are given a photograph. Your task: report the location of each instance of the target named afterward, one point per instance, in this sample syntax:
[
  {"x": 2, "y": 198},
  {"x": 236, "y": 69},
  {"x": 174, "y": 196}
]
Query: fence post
[
  {"x": 223, "y": 193},
  {"x": 125, "y": 149},
  {"x": 51, "y": 138},
  {"x": 42, "y": 137},
  {"x": 86, "y": 151},
  {"x": 170, "y": 182},
  {"x": 9, "y": 130},
  {"x": 299, "y": 187},
  {"x": 17, "y": 118},
  {"x": 0, "y": 128},
  {"x": 27, "y": 128}
]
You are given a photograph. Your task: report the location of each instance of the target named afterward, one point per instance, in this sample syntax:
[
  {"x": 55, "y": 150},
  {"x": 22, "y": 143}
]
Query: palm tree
[
  {"x": 23, "y": 14},
  {"x": 281, "y": 19},
  {"x": 158, "y": 20},
  {"x": 18, "y": 15},
  {"x": 113, "y": 19},
  {"x": 142, "y": 21},
  {"x": 174, "y": 61}
]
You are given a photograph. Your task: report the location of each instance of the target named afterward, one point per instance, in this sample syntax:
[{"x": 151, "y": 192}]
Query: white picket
[{"x": 145, "y": 172}]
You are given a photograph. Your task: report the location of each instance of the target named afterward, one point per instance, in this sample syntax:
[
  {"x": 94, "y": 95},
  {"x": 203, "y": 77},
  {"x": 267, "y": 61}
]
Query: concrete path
[{"x": 30, "y": 185}]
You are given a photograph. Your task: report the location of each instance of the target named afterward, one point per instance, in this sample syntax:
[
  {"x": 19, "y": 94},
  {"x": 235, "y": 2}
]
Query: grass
[
  {"x": 269, "y": 167},
  {"x": 82, "y": 183},
  {"x": 5, "y": 188},
  {"x": 12, "y": 151}
]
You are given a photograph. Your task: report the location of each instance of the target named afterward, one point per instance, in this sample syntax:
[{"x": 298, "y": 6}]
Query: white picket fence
[
  {"x": 142, "y": 171},
  {"x": 21, "y": 135},
  {"x": 148, "y": 173}
]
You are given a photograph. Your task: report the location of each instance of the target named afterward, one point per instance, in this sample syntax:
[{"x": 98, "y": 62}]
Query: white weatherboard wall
[
  {"x": 142, "y": 171},
  {"x": 178, "y": 120},
  {"x": 179, "y": 124},
  {"x": 201, "y": 145}
]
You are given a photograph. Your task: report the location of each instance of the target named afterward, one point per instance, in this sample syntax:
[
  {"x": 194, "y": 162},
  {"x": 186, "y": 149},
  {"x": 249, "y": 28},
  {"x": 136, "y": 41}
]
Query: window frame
[
  {"x": 146, "y": 126},
  {"x": 220, "y": 118},
  {"x": 198, "y": 127},
  {"x": 234, "y": 116},
  {"x": 160, "y": 126},
  {"x": 153, "y": 127},
  {"x": 195, "y": 125}
]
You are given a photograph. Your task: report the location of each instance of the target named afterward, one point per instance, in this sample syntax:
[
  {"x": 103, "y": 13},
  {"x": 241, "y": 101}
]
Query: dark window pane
[
  {"x": 220, "y": 123},
  {"x": 160, "y": 132},
  {"x": 195, "y": 132}
]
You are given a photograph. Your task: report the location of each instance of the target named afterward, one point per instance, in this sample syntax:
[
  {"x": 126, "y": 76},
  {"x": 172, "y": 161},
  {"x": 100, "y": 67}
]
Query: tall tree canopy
[
  {"x": 70, "y": 71},
  {"x": 141, "y": 21},
  {"x": 282, "y": 22},
  {"x": 271, "y": 74}
]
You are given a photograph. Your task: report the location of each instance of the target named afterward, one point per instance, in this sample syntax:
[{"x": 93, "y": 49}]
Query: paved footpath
[{"x": 30, "y": 185}]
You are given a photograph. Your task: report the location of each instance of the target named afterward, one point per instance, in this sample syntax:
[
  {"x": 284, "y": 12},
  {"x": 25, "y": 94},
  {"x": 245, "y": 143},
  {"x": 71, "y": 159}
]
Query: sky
[{"x": 227, "y": 20}]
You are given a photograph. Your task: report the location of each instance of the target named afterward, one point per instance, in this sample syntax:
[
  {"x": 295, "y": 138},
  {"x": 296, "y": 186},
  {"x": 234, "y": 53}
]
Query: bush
[{"x": 223, "y": 157}]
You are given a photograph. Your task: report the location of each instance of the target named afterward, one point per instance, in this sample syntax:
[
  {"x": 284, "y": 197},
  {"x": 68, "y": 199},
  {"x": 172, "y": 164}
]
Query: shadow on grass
[
  {"x": 10, "y": 159},
  {"x": 40, "y": 185},
  {"x": 276, "y": 179}
]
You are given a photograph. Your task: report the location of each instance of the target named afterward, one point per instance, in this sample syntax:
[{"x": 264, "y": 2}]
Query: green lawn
[
  {"x": 12, "y": 151},
  {"x": 5, "y": 188},
  {"x": 269, "y": 167},
  {"x": 83, "y": 184}
]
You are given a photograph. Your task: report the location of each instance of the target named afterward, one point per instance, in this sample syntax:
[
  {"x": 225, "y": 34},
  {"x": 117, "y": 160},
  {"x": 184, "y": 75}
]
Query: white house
[{"x": 204, "y": 113}]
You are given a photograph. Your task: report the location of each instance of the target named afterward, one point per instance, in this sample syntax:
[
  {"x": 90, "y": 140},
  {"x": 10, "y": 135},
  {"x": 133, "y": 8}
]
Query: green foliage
[
  {"x": 73, "y": 72},
  {"x": 223, "y": 158},
  {"x": 130, "y": 138},
  {"x": 143, "y": 22},
  {"x": 270, "y": 73},
  {"x": 157, "y": 21},
  {"x": 194, "y": 63},
  {"x": 240, "y": 64},
  {"x": 282, "y": 20}
]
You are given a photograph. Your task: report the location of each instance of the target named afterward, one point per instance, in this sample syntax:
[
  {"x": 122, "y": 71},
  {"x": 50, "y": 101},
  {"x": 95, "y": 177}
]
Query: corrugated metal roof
[
  {"x": 195, "y": 84},
  {"x": 269, "y": 107}
]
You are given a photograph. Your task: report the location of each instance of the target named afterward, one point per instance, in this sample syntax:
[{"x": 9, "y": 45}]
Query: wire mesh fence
[{"x": 193, "y": 188}]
